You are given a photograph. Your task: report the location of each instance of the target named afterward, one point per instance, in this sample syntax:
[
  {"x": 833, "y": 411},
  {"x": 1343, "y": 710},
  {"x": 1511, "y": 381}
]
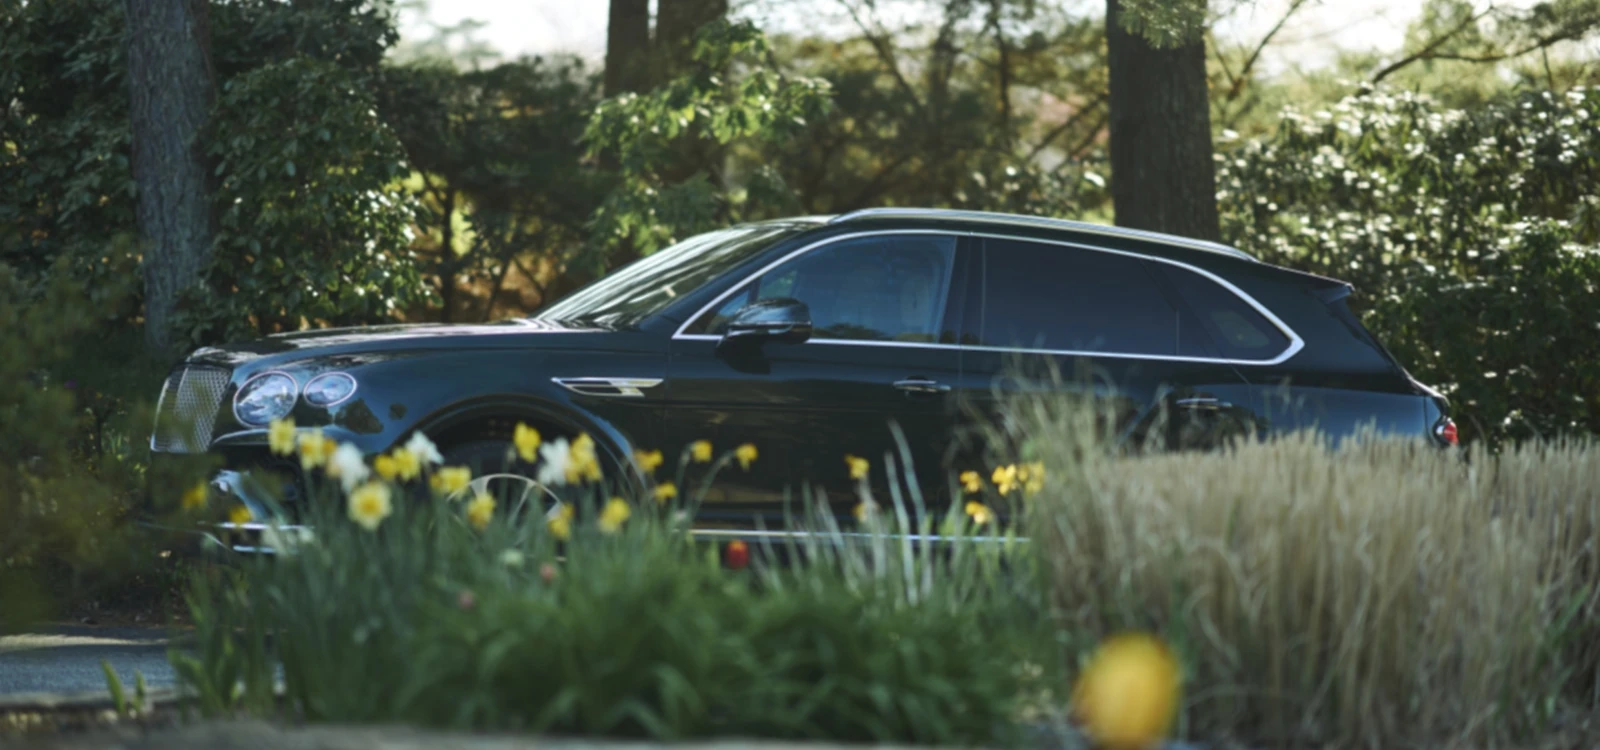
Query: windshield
[{"x": 646, "y": 286}]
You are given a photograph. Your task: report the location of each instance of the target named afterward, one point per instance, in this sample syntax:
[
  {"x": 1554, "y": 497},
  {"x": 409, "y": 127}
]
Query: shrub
[{"x": 1376, "y": 593}]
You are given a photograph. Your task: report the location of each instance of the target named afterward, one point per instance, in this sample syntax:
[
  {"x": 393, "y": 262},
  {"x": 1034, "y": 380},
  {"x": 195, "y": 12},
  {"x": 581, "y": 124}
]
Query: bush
[
  {"x": 627, "y": 628},
  {"x": 1374, "y": 594}
]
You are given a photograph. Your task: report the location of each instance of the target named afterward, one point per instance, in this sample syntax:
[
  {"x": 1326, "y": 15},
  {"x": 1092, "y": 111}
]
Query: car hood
[{"x": 368, "y": 342}]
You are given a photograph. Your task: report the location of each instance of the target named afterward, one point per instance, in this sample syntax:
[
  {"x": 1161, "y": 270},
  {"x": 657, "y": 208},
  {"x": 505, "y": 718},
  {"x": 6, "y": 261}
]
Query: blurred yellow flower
[
  {"x": 614, "y": 515},
  {"x": 1127, "y": 696},
  {"x": 369, "y": 505},
  {"x": 858, "y": 466},
  {"x": 240, "y": 514},
  {"x": 865, "y": 510},
  {"x": 560, "y": 522},
  {"x": 194, "y": 498},
  {"x": 407, "y": 463},
  {"x": 480, "y": 510},
  {"x": 971, "y": 481},
  {"x": 315, "y": 449},
  {"x": 700, "y": 451},
  {"x": 980, "y": 513},
  {"x": 1032, "y": 476},
  {"x": 666, "y": 491},
  {"x": 746, "y": 454},
  {"x": 1005, "y": 478},
  {"x": 648, "y": 460},
  {"x": 527, "y": 440},
  {"x": 449, "y": 480},
  {"x": 582, "y": 463},
  {"x": 280, "y": 437},
  {"x": 386, "y": 467}
]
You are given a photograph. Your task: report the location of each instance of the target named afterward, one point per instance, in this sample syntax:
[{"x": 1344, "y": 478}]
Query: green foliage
[{"x": 1471, "y": 233}]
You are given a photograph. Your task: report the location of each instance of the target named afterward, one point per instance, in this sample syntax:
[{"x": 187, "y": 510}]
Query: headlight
[
  {"x": 330, "y": 388},
  {"x": 264, "y": 398}
]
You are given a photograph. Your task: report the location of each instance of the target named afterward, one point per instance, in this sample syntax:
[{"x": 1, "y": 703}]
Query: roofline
[{"x": 1041, "y": 222}]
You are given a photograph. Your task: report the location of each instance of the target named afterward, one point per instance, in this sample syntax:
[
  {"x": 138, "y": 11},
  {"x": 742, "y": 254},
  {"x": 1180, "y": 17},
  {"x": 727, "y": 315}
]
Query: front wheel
[{"x": 496, "y": 471}]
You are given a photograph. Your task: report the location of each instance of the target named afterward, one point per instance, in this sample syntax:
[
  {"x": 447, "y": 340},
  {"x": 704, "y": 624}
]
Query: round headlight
[
  {"x": 264, "y": 398},
  {"x": 330, "y": 388}
]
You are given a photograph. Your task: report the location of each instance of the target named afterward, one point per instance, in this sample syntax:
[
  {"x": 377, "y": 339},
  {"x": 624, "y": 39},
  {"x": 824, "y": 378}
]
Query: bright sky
[{"x": 517, "y": 27}]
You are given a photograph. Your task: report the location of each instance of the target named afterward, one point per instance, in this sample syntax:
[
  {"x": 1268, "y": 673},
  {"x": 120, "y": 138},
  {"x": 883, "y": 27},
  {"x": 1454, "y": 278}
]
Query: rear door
[{"x": 1106, "y": 325}]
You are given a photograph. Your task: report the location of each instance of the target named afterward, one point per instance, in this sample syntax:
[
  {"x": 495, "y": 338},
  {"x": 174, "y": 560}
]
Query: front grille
[{"x": 187, "y": 411}]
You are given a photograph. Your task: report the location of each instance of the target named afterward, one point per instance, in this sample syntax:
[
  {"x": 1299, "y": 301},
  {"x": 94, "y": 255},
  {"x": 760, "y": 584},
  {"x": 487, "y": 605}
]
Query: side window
[
  {"x": 1238, "y": 330},
  {"x": 891, "y": 288},
  {"x": 1042, "y": 296}
]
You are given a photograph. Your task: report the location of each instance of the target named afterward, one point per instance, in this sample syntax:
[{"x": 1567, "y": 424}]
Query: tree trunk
[
  {"x": 1162, "y": 175},
  {"x": 171, "y": 86},
  {"x": 627, "y": 46},
  {"x": 676, "y": 24}
]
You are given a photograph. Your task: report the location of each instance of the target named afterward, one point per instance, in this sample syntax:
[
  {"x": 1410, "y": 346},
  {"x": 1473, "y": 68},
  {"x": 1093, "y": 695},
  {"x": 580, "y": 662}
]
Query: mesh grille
[{"x": 187, "y": 411}]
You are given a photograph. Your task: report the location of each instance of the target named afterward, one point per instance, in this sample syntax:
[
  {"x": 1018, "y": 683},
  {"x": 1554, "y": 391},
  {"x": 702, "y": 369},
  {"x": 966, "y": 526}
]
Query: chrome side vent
[
  {"x": 614, "y": 387},
  {"x": 187, "y": 411}
]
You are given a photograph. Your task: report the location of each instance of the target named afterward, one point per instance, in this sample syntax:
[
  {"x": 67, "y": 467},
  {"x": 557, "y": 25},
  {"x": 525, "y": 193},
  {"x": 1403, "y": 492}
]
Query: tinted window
[
  {"x": 1237, "y": 330},
  {"x": 644, "y": 287},
  {"x": 871, "y": 288},
  {"x": 1042, "y": 296}
]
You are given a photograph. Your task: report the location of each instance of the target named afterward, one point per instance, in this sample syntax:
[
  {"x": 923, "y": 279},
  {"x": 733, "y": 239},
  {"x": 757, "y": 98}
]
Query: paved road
[{"x": 67, "y": 659}]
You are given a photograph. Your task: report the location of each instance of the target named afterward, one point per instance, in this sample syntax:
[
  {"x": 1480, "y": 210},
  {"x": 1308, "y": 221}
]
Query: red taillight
[{"x": 1445, "y": 430}]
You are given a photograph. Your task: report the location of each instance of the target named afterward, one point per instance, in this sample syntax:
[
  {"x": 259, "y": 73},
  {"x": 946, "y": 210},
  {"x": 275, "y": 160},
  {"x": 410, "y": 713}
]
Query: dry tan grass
[{"x": 1377, "y": 594}]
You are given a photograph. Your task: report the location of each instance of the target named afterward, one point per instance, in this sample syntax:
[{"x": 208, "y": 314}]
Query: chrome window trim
[
  {"x": 1046, "y": 222},
  {"x": 1295, "y": 342}
]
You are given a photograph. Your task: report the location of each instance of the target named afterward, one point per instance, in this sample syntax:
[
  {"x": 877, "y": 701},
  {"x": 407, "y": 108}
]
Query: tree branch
[
  {"x": 880, "y": 44},
  {"x": 1428, "y": 50},
  {"x": 1057, "y": 131},
  {"x": 1250, "y": 62}
]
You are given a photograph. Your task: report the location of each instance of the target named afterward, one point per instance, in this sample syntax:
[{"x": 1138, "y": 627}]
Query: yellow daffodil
[
  {"x": 386, "y": 467},
  {"x": 614, "y": 515},
  {"x": 449, "y": 480},
  {"x": 1032, "y": 476},
  {"x": 407, "y": 464},
  {"x": 280, "y": 437},
  {"x": 700, "y": 451},
  {"x": 971, "y": 481},
  {"x": 858, "y": 466},
  {"x": 194, "y": 498},
  {"x": 1005, "y": 478},
  {"x": 1129, "y": 693},
  {"x": 746, "y": 454},
  {"x": 527, "y": 440},
  {"x": 865, "y": 510},
  {"x": 315, "y": 449},
  {"x": 369, "y": 505},
  {"x": 582, "y": 463},
  {"x": 980, "y": 513},
  {"x": 648, "y": 460},
  {"x": 560, "y": 522},
  {"x": 480, "y": 510},
  {"x": 665, "y": 492},
  {"x": 240, "y": 514}
]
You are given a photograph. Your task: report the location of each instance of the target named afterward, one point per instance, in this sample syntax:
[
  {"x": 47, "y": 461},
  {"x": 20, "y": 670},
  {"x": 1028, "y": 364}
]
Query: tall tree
[
  {"x": 627, "y": 46},
  {"x": 1162, "y": 175},
  {"x": 676, "y": 24},
  {"x": 171, "y": 85}
]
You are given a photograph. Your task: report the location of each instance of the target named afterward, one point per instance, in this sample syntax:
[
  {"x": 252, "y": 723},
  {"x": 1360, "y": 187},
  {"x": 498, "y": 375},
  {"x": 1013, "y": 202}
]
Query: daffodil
[
  {"x": 239, "y": 514},
  {"x": 858, "y": 466},
  {"x": 407, "y": 465},
  {"x": 1129, "y": 693},
  {"x": 700, "y": 451},
  {"x": 746, "y": 454},
  {"x": 1032, "y": 476},
  {"x": 866, "y": 509},
  {"x": 526, "y": 439},
  {"x": 194, "y": 498},
  {"x": 348, "y": 466},
  {"x": 614, "y": 515},
  {"x": 426, "y": 452},
  {"x": 649, "y": 461},
  {"x": 449, "y": 480},
  {"x": 1005, "y": 478},
  {"x": 315, "y": 449},
  {"x": 560, "y": 522},
  {"x": 980, "y": 513},
  {"x": 480, "y": 511},
  {"x": 386, "y": 467},
  {"x": 665, "y": 492},
  {"x": 582, "y": 463},
  {"x": 369, "y": 505},
  {"x": 971, "y": 481},
  {"x": 280, "y": 437}
]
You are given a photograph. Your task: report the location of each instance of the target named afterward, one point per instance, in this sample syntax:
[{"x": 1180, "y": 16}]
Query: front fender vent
[{"x": 612, "y": 387}]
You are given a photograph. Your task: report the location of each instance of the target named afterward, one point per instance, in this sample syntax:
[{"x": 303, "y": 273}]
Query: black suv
[{"x": 809, "y": 337}]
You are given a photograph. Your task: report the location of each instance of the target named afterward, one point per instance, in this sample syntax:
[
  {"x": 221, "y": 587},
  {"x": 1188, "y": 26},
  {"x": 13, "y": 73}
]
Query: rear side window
[
  {"x": 1237, "y": 330},
  {"x": 1040, "y": 296}
]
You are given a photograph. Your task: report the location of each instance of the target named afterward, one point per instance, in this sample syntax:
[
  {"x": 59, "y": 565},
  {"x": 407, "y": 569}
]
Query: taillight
[{"x": 1445, "y": 430}]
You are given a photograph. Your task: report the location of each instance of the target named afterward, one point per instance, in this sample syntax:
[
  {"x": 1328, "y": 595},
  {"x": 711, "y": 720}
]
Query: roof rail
[{"x": 1040, "y": 221}]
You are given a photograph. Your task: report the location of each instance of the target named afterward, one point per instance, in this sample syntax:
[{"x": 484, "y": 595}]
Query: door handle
[
  {"x": 1202, "y": 403},
  {"x": 921, "y": 385}
]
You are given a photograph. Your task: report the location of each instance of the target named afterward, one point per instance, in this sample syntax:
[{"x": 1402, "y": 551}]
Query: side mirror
[{"x": 780, "y": 319}]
